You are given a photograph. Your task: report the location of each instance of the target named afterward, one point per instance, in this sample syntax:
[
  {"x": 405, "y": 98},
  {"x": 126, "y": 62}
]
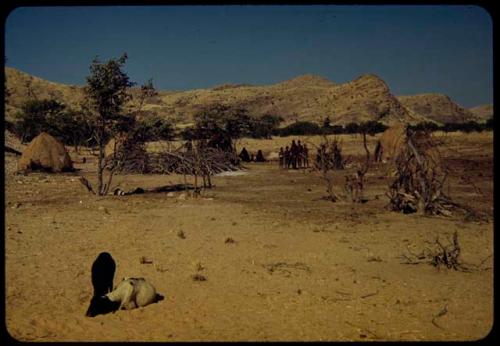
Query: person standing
[
  {"x": 300, "y": 150},
  {"x": 281, "y": 156},
  {"x": 287, "y": 157},
  {"x": 305, "y": 151},
  {"x": 293, "y": 154}
]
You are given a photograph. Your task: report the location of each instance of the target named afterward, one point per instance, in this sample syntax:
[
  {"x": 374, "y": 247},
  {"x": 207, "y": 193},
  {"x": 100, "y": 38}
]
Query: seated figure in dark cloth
[
  {"x": 244, "y": 155},
  {"x": 260, "y": 157}
]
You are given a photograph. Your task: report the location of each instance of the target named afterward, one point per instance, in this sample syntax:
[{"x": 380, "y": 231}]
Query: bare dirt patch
[{"x": 301, "y": 268}]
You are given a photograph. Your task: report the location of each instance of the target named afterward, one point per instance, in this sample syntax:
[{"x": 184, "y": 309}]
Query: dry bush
[
  {"x": 328, "y": 159},
  {"x": 198, "y": 160},
  {"x": 420, "y": 178},
  {"x": 354, "y": 183},
  {"x": 447, "y": 256}
]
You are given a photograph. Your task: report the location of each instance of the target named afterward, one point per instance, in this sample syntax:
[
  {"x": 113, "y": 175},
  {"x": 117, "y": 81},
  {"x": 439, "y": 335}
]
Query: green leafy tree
[
  {"x": 471, "y": 126},
  {"x": 220, "y": 125},
  {"x": 37, "y": 116},
  {"x": 335, "y": 130},
  {"x": 351, "y": 128},
  {"x": 188, "y": 133},
  {"x": 371, "y": 127},
  {"x": 106, "y": 92},
  {"x": 71, "y": 128},
  {"x": 154, "y": 128},
  {"x": 265, "y": 126},
  {"x": 425, "y": 126},
  {"x": 450, "y": 127},
  {"x": 148, "y": 91},
  {"x": 489, "y": 124},
  {"x": 300, "y": 128}
]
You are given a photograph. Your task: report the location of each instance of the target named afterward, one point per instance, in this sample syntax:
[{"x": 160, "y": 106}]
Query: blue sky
[{"x": 415, "y": 49}]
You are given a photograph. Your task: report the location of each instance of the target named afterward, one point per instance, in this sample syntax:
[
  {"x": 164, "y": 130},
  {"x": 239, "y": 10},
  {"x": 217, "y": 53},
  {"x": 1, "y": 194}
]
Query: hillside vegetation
[{"x": 304, "y": 98}]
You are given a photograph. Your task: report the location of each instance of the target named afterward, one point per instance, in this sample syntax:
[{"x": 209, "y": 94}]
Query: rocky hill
[
  {"x": 307, "y": 97},
  {"x": 436, "y": 107},
  {"x": 22, "y": 86},
  {"x": 483, "y": 112}
]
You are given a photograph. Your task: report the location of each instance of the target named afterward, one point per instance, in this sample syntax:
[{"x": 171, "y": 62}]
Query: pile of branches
[
  {"x": 133, "y": 157},
  {"x": 354, "y": 186},
  {"x": 443, "y": 256},
  {"x": 447, "y": 256},
  {"x": 129, "y": 157},
  {"x": 420, "y": 178},
  {"x": 197, "y": 161},
  {"x": 328, "y": 158},
  {"x": 354, "y": 183}
]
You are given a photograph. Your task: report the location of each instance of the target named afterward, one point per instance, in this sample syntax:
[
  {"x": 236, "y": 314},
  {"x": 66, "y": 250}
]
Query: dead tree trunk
[
  {"x": 420, "y": 178},
  {"x": 100, "y": 169},
  {"x": 354, "y": 183},
  {"x": 377, "y": 154}
]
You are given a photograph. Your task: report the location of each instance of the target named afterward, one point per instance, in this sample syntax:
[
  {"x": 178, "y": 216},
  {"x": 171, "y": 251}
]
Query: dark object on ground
[
  {"x": 167, "y": 188},
  {"x": 100, "y": 305},
  {"x": 260, "y": 157},
  {"x": 199, "y": 277},
  {"x": 244, "y": 156},
  {"x": 103, "y": 272},
  {"x": 229, "y": 240}
]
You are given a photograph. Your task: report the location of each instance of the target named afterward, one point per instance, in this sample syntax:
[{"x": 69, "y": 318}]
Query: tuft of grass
[
  {"x": 230, "y": 240},
  {"x": 144, "y": 260},
  {"x": 198, "y": 277}
]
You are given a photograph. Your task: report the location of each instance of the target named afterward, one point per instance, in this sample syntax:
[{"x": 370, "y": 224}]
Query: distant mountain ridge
[
  {"x": 483, "y": 112},
  {"x": 306, "y": 98},
  {"x": 437, "y": 107}
]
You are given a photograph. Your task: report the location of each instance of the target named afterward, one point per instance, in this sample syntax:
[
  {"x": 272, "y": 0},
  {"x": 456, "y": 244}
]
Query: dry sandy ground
[{"x": 300, "y": 268}]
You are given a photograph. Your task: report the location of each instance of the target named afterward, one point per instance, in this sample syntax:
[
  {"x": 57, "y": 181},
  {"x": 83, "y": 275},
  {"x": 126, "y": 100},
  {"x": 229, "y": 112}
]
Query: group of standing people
[{"x": 294, "y": 156}]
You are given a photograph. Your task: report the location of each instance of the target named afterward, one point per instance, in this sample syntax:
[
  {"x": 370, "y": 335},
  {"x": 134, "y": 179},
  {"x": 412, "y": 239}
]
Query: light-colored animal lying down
[{"x": 129, "y": 294}]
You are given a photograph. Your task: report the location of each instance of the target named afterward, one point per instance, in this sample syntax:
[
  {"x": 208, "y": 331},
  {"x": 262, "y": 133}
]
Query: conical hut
[{"x": 45, "y": 153}]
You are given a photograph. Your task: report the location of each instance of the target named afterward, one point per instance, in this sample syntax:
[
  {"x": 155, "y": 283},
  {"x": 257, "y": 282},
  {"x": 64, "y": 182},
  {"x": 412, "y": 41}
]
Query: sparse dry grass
[
  {"x": 306, "y": 98},
  {"x": 302, "y": 269}
]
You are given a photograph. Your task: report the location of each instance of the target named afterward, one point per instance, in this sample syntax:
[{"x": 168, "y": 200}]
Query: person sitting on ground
[
  {"x": 260, "y": 157},
  {"x": 244, "y": 155}
]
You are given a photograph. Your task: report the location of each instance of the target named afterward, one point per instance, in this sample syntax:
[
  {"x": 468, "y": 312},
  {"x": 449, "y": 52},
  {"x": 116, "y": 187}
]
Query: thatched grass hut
[{"x": 45, "y": 153}]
